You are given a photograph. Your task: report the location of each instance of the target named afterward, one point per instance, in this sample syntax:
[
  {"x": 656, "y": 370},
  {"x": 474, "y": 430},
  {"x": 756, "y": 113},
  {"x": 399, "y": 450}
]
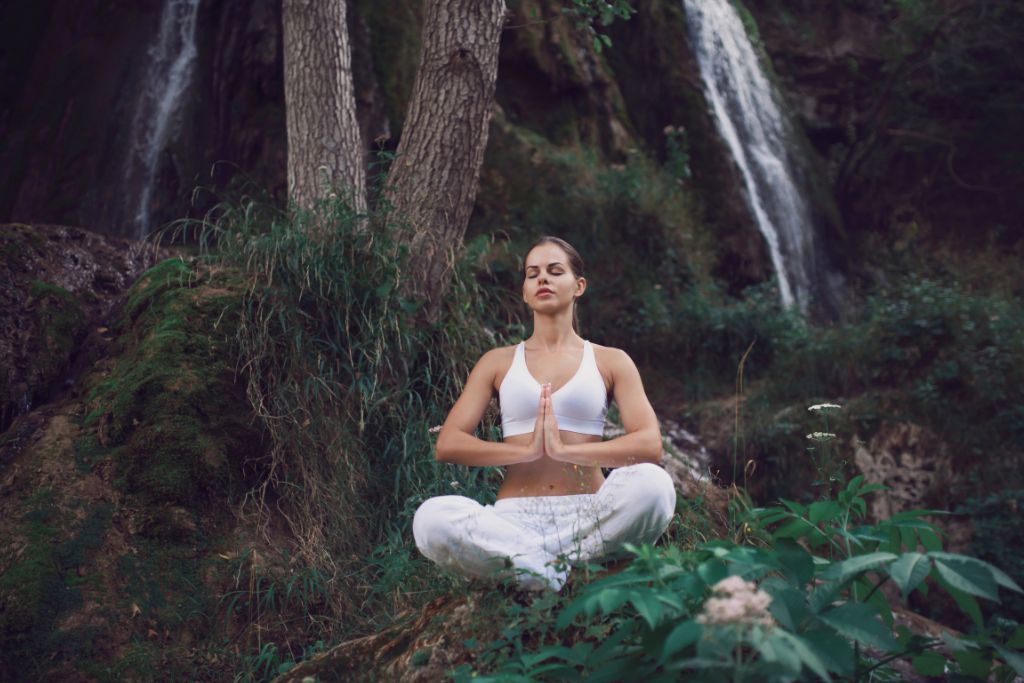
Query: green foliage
[
  {"x": 940, "y": 345},
  {"x": 43, "y": 583},
  {"x": 658, "y": 619},
  {"x": 588, "y": 13},
  {"x": 998, "y": 535},
  {"x": 347, "y": 377}
]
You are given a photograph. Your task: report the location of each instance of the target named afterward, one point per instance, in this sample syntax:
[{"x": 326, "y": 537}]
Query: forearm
[
  {"x": 643, "y": 445},
  {"x": 460, "y": 448}
]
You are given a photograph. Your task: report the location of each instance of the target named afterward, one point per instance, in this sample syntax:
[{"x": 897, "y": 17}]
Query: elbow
[
  {"x": 442, "y": 449},
  {"x": 652, "y": 450}
]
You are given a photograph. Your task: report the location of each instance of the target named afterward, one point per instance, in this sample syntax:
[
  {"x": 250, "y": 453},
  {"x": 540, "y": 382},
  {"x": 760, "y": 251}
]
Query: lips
[{"x": 544, "y": 290}]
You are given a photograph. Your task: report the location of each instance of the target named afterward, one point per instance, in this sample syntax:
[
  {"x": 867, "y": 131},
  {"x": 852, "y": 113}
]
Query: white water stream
[
  {"x": 750, "y": 120},
  {"x": 172, "y": 58}
]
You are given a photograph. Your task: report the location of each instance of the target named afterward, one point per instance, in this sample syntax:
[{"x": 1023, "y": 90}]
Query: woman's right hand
[{"x": 535, "y": 449}]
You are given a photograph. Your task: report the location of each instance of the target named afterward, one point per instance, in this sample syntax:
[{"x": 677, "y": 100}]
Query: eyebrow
[{"x": 550, "y": 265}]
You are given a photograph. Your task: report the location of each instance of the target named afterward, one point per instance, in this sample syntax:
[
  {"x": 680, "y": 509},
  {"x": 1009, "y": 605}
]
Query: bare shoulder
[
  {"x": 612, "y": 358},
  {"x": 614, "y": 364},
  {"x": 495, "y": 363}
]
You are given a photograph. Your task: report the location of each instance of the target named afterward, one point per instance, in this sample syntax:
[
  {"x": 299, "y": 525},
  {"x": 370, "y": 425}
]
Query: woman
[{"x": 555, "y": 505}]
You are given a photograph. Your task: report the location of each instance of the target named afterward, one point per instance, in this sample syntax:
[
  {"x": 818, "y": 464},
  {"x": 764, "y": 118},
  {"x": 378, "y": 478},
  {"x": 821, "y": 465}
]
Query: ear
[{"x": 581, "y": 286}]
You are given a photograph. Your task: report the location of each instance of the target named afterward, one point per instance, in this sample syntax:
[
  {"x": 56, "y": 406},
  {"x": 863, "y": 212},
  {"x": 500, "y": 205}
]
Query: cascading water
[
  {"x": 751, "y": 122},
  {"x": 171, "y": 63}
]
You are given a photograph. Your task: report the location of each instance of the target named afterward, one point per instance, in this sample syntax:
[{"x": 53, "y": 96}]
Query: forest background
[{"x": 209, "y": 466}]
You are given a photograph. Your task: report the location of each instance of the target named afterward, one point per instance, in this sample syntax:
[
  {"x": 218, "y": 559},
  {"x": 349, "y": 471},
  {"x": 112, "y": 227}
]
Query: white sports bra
[{"x": 580, "y": 404}]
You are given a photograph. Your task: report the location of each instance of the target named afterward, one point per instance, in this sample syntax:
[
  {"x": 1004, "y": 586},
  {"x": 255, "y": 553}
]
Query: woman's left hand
[{"x": 553, "y": 446}]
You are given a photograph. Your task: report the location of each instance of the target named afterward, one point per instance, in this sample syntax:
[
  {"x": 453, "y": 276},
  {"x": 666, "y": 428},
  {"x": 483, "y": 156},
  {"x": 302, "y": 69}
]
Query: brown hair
[{"x": 575, "y": 265}]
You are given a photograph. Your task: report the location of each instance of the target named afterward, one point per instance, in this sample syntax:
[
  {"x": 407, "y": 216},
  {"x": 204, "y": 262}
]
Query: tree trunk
[
  {"x": 324, "y": 147},
  {"x": 434, "y": 178}
]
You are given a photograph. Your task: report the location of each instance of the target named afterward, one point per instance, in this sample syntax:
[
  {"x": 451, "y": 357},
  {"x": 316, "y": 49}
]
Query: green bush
[{"x": 801, "y": 602}]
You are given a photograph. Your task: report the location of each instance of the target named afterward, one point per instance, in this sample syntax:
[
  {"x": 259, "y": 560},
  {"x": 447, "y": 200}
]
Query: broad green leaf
[
  {"x": 795, "y": 508},
  {"x": 845, "y": 570},
  {"x": 773, "y": 517},
  {"x": 930, "y": 540},
  {"x": 712, "y": 571},
  {"x": 823, "y": 511},
  {"x": 871, "y": 488},
  {"x": 964, "y": 601},
  {"x": 823, "y": 596},
  {"x": 836, "y": 652},
  {"x": 1017, "y": 639},
  {"x": 648, "y": 607},
  {"x": 957, "y": 644},
  {"x": 1001, "y": 577},
  {"x": 796, "y": 561},
  {"x": 808, "y": 654},
  {"x": 681, "y": 636},
  {"x": 611, "y": 600},
  {"x": 930, "y": 664},
  {"x": 973, "y": 663},
  {"x": 854, "y": 484},
  {"x": 788, "y": 606},
  {"x": 968, "y": 577},
  {"x": 876, "y": 598},
  {"x": 775, "y": 648},
  {"x": 1014, "y": 659},
  {"x": 859, "y": 622},
  {"x": 908, "y": 571}
]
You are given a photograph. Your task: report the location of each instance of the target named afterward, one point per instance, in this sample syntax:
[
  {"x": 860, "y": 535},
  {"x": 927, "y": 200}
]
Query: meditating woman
[{"x": 554, "y": 507}]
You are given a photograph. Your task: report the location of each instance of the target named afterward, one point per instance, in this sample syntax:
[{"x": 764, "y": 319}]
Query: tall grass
[{"x": 347, "y": 377}]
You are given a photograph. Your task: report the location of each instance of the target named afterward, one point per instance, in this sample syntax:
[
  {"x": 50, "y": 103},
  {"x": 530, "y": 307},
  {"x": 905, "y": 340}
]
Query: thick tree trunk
[
  {"x": 324, "y": 147},
  {"x": 434, "y": 179}
]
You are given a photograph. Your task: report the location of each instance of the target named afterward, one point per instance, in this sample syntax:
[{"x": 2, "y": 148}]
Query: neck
[{"x": 554, "y": 331}]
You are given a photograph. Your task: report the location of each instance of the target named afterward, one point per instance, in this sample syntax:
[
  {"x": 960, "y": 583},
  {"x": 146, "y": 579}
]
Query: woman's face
[{"x": 549, "y": 282}]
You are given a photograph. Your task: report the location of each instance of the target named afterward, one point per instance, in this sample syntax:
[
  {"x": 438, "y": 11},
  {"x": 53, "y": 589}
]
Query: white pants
[{"x": 537, "y": 535}]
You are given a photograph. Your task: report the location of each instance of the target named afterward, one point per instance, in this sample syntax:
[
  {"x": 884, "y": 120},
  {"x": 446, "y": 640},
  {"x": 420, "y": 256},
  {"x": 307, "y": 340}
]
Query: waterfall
[
  {"x": 168, "y": 74},
  {"x": 750, "y": 120}
]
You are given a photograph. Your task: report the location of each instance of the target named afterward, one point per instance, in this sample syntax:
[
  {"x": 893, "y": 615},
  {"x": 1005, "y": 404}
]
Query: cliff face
[
  {"x": 918, "y": 111},
  {"x": 68, "y": 129}
]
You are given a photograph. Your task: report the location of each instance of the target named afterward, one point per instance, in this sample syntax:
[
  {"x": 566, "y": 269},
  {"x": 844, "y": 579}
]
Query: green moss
[
  {"x": 43, "y": 583},
  {"x": 169, "y": 411}
]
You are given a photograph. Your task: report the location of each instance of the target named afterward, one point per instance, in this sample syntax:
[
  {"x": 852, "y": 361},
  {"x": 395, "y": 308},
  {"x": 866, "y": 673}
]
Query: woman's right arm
[{"x": 456, "y": 443}]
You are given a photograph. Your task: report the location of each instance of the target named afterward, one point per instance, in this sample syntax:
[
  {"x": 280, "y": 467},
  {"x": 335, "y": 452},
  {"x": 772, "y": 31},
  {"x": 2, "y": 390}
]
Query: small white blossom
[
  {"x": 821, "y": 436},
  {"x": 454, "y": 484},
  {"x": 435, "y": 429},
  {"x": 824, "y": 407},
  {"x": 736, "y": 602}
]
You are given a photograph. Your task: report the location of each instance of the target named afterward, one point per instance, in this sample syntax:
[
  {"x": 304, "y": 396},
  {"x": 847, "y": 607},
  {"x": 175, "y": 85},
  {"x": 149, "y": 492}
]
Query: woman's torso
[{"x": 547, "y": 477}]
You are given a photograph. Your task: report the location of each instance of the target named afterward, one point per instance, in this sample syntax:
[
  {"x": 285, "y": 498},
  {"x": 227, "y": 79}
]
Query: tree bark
[
  {"x": 434, "y": 178},
  {"x": 324, "y": 146}
]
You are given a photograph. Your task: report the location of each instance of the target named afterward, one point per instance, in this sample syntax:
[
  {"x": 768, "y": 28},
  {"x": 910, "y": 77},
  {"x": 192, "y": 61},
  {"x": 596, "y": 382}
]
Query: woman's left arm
[{"x": 642, "y": 440}]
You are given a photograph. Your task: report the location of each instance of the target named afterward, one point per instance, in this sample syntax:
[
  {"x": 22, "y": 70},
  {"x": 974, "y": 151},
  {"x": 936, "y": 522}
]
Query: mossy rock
[
  {"x": 169, "y": 403},
  {"x": 42, "y": 585}
]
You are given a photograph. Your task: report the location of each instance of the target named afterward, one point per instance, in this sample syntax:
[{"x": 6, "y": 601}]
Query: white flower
[
  {"x": 736, "y": 602},
  {"x": 454, "y": 484},
  {"x": 821, "y": 436},
  {"x": 435, "y": 429},
  {"x": 824, "y": 407}
]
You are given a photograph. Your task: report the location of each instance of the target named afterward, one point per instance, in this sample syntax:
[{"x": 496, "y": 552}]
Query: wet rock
[{"x": 57, "y": 284}]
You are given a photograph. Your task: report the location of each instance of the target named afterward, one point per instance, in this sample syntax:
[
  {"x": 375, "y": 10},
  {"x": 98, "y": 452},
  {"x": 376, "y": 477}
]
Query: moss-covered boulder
[{"x": 117, "y": 509}]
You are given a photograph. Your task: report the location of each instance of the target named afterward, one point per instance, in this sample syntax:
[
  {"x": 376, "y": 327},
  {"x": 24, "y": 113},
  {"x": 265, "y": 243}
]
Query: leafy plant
[{"x": 805, "y": 605}]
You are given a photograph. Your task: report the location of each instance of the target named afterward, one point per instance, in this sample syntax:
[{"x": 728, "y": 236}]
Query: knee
[
  {"x": 435, "y": 518},
  {"x": 651, "y": 488}
]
